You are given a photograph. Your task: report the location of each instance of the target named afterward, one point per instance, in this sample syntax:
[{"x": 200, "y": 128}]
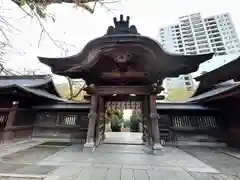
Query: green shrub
[{"x": 127, "y": 124}]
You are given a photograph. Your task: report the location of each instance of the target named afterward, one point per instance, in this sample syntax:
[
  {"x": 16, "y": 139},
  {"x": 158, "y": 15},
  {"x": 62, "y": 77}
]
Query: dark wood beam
[{"x": 123, "y": 90}]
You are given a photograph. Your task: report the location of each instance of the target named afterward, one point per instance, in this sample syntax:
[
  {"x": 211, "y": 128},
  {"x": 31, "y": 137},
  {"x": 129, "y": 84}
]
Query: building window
[
  {"x": 187, "y": 83},
  {"x": 221, "y": 53}
]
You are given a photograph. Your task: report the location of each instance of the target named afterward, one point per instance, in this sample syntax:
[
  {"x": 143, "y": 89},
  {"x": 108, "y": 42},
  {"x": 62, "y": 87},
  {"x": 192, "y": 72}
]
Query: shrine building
[{"x": 124, "y": 70}]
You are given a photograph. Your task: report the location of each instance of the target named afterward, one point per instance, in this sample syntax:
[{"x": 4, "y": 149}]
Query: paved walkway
[
  {"x": 63, "y": 161},
  {"x": 123, "y": 138}
]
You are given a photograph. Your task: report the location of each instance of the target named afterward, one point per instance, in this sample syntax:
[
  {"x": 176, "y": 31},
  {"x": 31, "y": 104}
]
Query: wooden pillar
[
  {"x": 92, "y": 118},
  {"x": 146, "y": 122},
  {"x": 100, "y": 121},
  {"x": 8, "y": 135},
  {"x": 102, "y": 118},
  {"x": 58, "y": 118},
  {"x": 154, "y": 123}
]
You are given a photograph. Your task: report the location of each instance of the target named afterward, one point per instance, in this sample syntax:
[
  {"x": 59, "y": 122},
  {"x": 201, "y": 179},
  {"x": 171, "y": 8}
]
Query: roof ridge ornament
[{"x": 122, "y": 27}]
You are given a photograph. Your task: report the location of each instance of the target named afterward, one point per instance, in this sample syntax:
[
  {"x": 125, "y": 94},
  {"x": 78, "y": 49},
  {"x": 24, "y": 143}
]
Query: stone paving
[
  {"x": 123, "y": 138},
  {"x": 221, "y": 159},
  {"x": 35, "y": 159}
]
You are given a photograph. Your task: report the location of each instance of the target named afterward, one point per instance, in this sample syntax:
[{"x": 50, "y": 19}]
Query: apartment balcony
[
  {"x": 219, "y": 48},
  {"x": 190, "y": 36},
  {"x": 191, "y": 52},
  {"x": 220, "y": 52},
  {"x": 189, "y": 40},
  {"x": 204, "y": 51},
  {"x": 216, "y": 39},
  {"x": 185, "y": 24},
  {"x": 215, "y": 34},
  {"x": 195, "y": 22},
  {"x": 179, "y": 42},
  {"x": 193, "y": 48},
  {"x": 196, "y": 30},
  {"x": 184, "y": 33},
  {"x": 201, "y": 38},
  {"x": 202, "y": 42},
  {"x": 190, "y": 44},
  {"x": 195, "y": 26},
  {"x": 200, "y": 33},
  {"x": 202, "y": 47},
  {"x": 185, "y": 29},
  {"x": 212, "y": 26},
  {"x": 209, "y": 20},
  {"x": 212, "y": 23},
  {"x": 195, "y": 15},
  {"x": 217, "y": 44},
  {"x": 184, "y": 19}
]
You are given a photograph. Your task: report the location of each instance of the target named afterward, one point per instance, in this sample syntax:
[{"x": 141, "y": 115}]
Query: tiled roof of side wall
[
  {"x": 26, "y": 81},
  {"x": 224, "y": 73}
]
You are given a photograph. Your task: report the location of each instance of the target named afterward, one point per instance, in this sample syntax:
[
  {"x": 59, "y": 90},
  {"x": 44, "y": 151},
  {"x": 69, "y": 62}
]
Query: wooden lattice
[
  {"x": 195, "y": 121},
  {"x": 123, "y": 105},
  {"x": 70, "y": 119}
]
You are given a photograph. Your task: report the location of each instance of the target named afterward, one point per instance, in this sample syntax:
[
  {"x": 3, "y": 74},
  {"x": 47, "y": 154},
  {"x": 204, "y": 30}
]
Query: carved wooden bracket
[
  {"x": 160, "y": 97},
  {"x": 91, "y": 89},
  {"x": 156, "y": 88}
]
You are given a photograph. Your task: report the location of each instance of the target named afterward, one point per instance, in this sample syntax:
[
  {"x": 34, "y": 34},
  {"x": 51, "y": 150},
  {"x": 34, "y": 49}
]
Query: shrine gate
[{"x": 119, "y": 64}]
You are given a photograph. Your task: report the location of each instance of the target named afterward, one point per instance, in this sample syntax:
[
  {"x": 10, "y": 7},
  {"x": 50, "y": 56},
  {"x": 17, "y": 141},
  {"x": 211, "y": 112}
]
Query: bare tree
[
  {"x": 38, "y": 11},
  {"x": 5, "y": 29},
  {"x": 40, "y": 5},
  {"x": 79, "y": 86}
]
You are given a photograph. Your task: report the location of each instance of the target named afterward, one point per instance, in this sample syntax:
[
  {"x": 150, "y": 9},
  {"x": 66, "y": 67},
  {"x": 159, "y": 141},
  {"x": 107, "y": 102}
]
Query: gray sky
[{"x": 77, "y": 27}]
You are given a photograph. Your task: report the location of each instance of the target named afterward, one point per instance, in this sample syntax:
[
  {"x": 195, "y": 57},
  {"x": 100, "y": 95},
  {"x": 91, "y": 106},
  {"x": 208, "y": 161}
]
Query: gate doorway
[{"x": 124, "y": 121}]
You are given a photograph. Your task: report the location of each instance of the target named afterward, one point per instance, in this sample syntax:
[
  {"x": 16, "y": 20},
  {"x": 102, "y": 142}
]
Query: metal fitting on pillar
[
  {"x": 92, "y": 115},
  {"x": 101, "y": 116},
  {"x": 154, "y": 116}
]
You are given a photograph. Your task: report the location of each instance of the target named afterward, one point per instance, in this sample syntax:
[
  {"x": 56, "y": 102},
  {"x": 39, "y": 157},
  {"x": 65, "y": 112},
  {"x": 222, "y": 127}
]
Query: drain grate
[
  {"x": 52, "y": 143},
  {"x": 24, "y": 170},
  {"x": 31, "y": 155}
]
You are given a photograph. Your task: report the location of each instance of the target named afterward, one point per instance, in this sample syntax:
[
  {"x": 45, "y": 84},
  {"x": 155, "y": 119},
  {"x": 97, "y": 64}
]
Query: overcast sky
[{"x": 77, "y": 27}]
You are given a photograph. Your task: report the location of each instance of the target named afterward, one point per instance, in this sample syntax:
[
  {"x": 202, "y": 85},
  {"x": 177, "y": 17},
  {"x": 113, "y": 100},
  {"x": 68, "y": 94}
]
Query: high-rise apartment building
[{"x": 196, "y": 35}]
